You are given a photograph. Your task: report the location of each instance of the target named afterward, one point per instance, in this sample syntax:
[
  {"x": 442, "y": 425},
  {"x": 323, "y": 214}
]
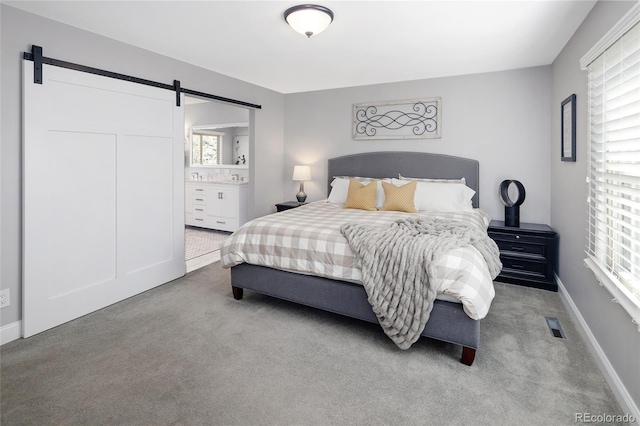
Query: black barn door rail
[{"x": 38, "y": 60}]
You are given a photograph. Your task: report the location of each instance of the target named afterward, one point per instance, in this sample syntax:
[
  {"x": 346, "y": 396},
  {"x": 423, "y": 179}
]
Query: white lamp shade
[
  {"x": 309, "y": 19},
  {"x": 302, "y": 173}
]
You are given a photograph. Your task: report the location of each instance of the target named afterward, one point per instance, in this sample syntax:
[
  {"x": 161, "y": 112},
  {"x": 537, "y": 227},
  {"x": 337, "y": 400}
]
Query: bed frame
[{"x": 448, "y": 322}]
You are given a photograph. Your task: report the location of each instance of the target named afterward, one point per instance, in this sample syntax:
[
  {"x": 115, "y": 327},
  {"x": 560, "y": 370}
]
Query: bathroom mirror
[{"x": 220, "y": 145}]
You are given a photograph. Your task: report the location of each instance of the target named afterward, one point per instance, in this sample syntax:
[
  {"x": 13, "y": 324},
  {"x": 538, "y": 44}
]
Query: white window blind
[{"x": 614, "y": 170}]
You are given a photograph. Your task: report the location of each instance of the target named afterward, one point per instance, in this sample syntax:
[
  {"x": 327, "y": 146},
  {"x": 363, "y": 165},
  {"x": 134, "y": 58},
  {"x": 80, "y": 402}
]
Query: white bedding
[{"x": 308, "y": 240}]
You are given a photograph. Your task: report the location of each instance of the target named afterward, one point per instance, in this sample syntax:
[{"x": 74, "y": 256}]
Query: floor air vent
[{"x": 554, "y": 327}]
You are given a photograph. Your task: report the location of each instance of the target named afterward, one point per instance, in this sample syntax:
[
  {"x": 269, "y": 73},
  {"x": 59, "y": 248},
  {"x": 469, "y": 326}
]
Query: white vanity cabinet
[{"x": 216, "y": 205}]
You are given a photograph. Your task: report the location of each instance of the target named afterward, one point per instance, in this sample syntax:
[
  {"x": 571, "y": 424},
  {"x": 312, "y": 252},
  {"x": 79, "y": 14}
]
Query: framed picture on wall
[{"x": 568, "y": 124}]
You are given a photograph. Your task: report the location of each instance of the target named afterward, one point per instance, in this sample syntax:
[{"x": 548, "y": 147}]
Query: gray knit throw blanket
[{"x": 398, "y": 266}]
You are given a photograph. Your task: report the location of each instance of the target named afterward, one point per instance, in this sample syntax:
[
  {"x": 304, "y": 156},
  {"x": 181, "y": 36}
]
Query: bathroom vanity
[{"x": 216, "y": 205}]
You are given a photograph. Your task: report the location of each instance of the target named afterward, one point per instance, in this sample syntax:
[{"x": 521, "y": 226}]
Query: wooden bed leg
[
  {"x": 468, "y": 355},
  {"x": 237, "y": 294}
]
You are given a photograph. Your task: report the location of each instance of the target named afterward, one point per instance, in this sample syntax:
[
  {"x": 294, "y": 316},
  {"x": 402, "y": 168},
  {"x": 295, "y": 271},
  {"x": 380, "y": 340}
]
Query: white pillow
[
  {"x": 461, "y": 180},
  {"x": 441, "y": 197},
  {"x": 340, "y": 189}
]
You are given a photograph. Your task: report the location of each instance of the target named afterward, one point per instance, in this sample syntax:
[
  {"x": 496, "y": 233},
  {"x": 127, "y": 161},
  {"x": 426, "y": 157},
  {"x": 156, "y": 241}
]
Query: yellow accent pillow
[
  {"x": 399, "y": 198},
  {"x": 360, "y": 196}
]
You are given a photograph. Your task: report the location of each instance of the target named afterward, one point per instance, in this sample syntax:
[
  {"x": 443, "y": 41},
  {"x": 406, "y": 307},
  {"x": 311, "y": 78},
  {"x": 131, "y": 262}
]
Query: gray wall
[
  {"x": 501, "y": 119},
  {"x": 609, "y": 323},
  {"x": 19, "y": 30}
]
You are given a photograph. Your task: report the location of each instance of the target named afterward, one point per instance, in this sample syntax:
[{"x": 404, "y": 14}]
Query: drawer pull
[
  {"x": 199, "y": 210},
  {"x": 517, "y": 237},
  {"x": 199, "y": 199},
  {"x": 201, "y": 220},
  {"x": 220, "y": 221},
  {"x": 199, "y": 189},
  {"x": 514, "y": 248}
]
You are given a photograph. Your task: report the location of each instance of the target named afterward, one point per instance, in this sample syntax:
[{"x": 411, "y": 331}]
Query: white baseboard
[
  {"x": 10, "y": 332},
  {"x": 627, "y": 403}
]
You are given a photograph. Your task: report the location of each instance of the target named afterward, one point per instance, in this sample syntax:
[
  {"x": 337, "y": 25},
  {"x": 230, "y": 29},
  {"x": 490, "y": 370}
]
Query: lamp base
[{"x": 301, "y": 196}]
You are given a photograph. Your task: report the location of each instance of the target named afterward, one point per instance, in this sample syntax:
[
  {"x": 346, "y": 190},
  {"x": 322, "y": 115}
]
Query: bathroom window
[{"x": 206, "y": 148}]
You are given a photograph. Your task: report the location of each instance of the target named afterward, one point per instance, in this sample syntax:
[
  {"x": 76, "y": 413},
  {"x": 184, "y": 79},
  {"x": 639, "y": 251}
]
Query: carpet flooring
[
  {"x": 187, "y": 353},
  {"x": 200, "y": 241}
]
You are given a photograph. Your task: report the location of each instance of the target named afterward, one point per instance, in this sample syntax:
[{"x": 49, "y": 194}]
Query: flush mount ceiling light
[{"x": 308, "y": 19}]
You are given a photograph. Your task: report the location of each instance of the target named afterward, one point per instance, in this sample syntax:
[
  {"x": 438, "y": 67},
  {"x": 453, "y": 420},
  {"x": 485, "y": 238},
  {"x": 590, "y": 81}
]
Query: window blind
[{"x": 613, "y": 247}]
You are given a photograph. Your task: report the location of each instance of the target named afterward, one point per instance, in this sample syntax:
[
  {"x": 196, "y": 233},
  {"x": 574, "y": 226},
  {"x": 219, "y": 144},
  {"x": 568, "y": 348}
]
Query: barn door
[{"x": 103, "y": 193}]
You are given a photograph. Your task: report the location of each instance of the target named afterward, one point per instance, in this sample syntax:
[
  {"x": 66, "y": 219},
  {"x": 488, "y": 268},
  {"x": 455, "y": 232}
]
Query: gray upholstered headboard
[{"x": 410, "y": 164}]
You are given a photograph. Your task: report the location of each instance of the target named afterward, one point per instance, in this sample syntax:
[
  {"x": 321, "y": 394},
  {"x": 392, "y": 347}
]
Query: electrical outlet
[{"x": 4, "y": 298}]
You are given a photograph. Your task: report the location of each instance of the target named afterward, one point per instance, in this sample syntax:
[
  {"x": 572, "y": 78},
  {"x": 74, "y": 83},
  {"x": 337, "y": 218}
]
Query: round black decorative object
[{"x": 511, "y": 208}]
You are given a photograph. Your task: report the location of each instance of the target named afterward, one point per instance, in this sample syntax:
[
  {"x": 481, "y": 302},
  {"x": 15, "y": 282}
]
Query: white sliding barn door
[{"x": 103, "y": 193}]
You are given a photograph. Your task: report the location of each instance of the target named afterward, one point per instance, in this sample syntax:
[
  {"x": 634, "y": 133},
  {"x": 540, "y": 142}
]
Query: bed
[{"x": 449, "y": 321}]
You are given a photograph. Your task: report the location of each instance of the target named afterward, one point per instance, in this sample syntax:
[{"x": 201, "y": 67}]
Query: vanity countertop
[{"x": 219, "y": 182}]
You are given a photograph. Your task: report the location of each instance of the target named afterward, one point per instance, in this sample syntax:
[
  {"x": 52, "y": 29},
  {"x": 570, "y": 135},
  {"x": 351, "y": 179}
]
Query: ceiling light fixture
[{"x": 308, "y": 19}]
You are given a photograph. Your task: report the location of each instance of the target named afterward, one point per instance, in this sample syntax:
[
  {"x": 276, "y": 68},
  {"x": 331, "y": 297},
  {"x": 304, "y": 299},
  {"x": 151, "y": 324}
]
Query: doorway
[{"x": 217, "y": 165}]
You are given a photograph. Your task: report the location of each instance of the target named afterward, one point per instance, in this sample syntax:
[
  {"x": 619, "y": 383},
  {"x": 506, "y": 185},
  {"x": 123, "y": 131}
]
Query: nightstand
[
  {"x": 529, "y": 254},
  {"x": 288, "y": 205}
]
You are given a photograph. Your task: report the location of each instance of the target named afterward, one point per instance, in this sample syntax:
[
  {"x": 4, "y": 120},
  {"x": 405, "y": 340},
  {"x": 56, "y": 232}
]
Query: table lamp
[{"x": 301, "y": 173}]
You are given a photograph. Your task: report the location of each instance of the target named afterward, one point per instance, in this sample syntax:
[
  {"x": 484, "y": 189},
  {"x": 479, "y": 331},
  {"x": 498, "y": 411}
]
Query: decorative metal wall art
[{"x": 410, "y": 119}]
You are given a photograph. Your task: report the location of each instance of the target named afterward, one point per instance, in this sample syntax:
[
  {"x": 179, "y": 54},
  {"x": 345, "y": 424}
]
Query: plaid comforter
[{"x": 308, "y": 240}]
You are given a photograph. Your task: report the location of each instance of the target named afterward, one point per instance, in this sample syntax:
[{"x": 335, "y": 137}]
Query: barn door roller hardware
[
  {"x": 38, "y": 60},
  {"x": 176, "y": 87},
  {"x": 36, "y": 51}
]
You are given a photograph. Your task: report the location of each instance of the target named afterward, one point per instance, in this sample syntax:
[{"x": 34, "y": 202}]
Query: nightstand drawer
[
  {"x": 523, "y": 265},
  {"x": 522, "y": 247},
  {"x": 517, "y": 238}
]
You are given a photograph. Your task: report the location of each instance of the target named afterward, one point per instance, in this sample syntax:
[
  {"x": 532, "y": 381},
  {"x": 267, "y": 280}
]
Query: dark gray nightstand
[
  {"x": 288, "y": 205},
  {"x": 529, "y": 254}
]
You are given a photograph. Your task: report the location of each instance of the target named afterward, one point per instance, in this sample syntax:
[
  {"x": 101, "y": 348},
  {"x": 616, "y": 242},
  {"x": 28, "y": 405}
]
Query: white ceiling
[{"x": 368, "y": 42}]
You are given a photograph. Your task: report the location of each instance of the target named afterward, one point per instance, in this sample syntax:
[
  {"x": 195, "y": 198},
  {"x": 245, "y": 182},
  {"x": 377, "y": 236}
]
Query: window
[
  {"x": 613, "y": 247},
  {"x": 205, "y": 148}
]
